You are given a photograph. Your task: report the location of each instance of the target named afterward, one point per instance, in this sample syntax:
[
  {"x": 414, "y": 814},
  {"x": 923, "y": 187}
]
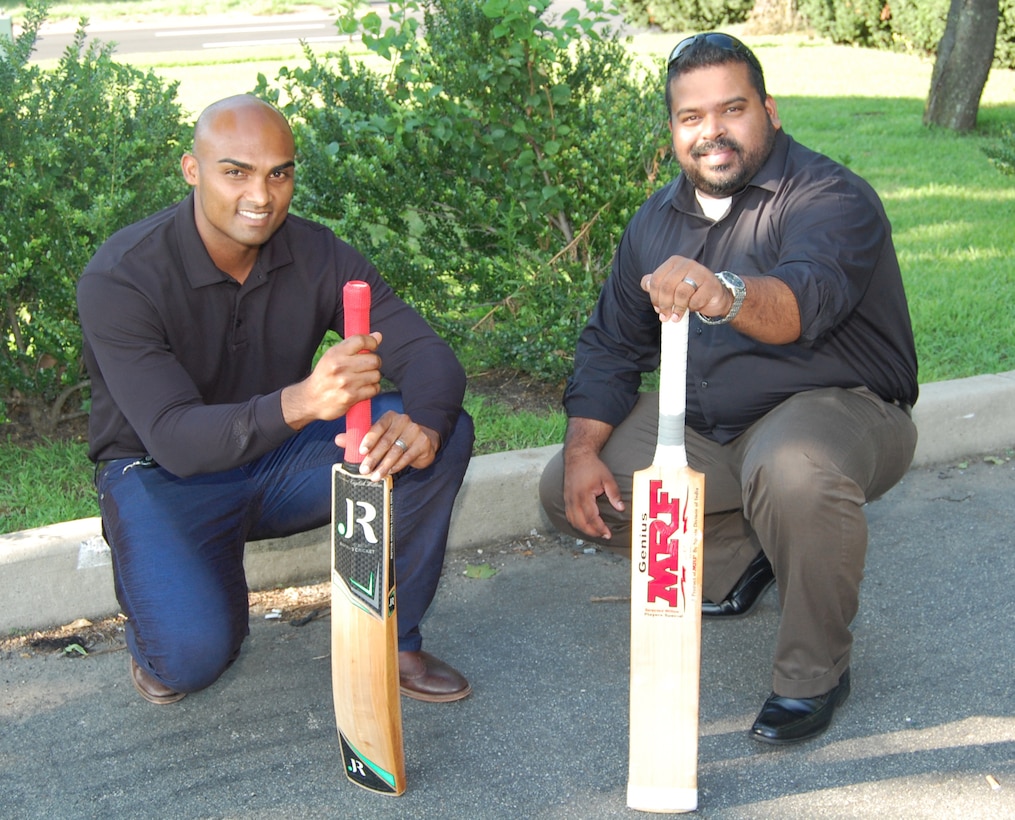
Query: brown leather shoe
[
  {"x": 424, "y": 677},
  {"x": 150, "y": 689}
]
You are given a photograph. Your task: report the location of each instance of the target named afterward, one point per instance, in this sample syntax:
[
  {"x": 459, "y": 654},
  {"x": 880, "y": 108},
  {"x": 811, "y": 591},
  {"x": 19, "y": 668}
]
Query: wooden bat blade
[
  {"x": 665, "y": 639},
  {"x": 667, "y": 509},
  {"x": 364, "y": 634},
  {"x": 364, "y": 622}
]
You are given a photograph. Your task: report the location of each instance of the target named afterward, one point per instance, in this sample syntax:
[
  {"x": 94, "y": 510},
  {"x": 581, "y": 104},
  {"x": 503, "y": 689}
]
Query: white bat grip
[{"x": 672, "y": 393}]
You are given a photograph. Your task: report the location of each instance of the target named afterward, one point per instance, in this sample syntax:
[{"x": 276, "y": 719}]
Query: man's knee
[
  {"x": 458, "y": 447},
  {"x": 798, "y": 483},
  {"x": 551, "y": 491},
  {"x": 787, "y": 472},
  {"x": 192, "y": 657}
]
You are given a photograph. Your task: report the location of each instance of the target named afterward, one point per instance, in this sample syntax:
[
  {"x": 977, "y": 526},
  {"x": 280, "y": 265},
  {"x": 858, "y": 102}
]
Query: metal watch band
[{"x": 736, "y": 286}]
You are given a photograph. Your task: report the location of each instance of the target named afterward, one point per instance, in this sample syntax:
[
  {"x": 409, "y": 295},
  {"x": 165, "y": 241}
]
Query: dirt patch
[
  {"x": 518, "y": 392},
  {"x": 77, "y": 639},
  {"x": 19, "y": 430}
]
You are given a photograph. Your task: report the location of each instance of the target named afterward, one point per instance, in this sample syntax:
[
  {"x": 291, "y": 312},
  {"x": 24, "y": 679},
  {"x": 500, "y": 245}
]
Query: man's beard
[{"x": 726, "y": 180}]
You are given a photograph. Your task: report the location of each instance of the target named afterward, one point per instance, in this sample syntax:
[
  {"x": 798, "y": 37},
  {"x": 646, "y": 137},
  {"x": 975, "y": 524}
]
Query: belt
[
  {"x": 905, "y": 407},
  {"x": 144, "y": 461}
]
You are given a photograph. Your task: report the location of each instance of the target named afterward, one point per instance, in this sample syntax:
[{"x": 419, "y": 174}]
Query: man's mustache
[{"x": 721, "y": 144}]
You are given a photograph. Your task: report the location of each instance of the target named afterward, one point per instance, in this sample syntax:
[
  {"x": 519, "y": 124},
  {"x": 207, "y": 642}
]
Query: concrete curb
[{"x": 55, "y": 574}]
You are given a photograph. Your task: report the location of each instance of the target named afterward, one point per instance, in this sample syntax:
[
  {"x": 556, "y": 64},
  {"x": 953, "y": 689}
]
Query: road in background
[
  {"x": 195, "y": 35},
  {"x": 210, "y": 33}
]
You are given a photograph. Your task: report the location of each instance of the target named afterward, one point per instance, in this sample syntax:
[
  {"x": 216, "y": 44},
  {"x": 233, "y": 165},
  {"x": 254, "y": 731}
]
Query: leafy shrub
[
  {"x": 903, "y": 25},
  {"x": 1003, "y": 154},
  {"x": 906, "y": 25},
  {"x": 849, "y": 21},
  {"x": 691, "y": 15},
  {"x": 918, "y": 25},
  {"x": 488, "y": 170},
  {"x": 1004, "y": 49},
  {"x": 84, "y": 149}
]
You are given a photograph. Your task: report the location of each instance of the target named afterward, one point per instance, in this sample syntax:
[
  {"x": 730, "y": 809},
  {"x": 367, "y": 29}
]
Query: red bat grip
[{"x": 356, "y": 302}]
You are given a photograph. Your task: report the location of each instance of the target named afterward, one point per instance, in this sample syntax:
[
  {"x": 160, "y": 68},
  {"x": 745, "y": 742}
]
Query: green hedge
[
  {"x": 905, "y": 25},
  {"x": 488, "y": 168},
  {"x": 1002, "y": 155},
  {"x": 683, "y": 15},
  {"x": 85, "y": 148}
]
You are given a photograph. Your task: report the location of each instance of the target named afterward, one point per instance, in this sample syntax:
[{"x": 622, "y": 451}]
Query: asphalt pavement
[{"x": 928, "y": 731}]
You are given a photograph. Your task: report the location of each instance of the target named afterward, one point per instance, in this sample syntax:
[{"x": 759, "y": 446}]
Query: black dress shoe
[
  {"x": 752, "y": 585},
  {"x": 791, "y": 720}
]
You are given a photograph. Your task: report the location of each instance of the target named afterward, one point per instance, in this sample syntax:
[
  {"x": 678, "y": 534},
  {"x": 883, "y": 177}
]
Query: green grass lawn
[{"x": 953, "y": 215}]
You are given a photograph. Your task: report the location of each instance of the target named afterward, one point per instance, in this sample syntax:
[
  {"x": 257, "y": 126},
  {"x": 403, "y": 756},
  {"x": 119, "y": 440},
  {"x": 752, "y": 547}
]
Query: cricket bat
[
  {"x": 364, "y": 633},
  {"x": 666, "y": 564}
]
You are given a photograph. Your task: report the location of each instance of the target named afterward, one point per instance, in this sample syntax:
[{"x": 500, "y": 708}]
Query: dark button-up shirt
[
  {"x": 803, "y": 219},
  {"x": 188, "y": 366}
]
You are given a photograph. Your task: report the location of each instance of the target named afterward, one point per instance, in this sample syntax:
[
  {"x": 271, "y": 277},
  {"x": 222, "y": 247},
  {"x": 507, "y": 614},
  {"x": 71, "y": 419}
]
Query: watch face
[
  {"x": 730, "y": 279},
  {"x": 736, "y": 286}
]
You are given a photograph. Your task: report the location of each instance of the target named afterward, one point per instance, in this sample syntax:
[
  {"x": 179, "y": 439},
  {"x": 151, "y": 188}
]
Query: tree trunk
[{"x": 963, "y": 61}]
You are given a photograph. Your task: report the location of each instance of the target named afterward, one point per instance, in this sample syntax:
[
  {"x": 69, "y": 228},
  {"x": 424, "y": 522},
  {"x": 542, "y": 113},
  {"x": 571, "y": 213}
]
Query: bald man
[{"x": 211, "y": 426}]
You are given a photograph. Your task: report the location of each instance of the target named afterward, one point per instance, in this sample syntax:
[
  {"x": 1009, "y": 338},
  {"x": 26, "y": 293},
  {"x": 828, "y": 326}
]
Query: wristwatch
[{"x": 736, "y": 286}]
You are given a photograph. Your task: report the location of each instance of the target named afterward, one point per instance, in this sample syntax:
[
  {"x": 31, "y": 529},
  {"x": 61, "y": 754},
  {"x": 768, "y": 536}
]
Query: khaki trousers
[{"x": 793, "y": 485}]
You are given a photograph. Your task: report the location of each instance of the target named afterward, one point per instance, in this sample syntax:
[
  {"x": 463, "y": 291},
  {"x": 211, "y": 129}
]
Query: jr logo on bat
[
  {"x": 667, "y": 524},
  {"x": 368, "y": 513}
]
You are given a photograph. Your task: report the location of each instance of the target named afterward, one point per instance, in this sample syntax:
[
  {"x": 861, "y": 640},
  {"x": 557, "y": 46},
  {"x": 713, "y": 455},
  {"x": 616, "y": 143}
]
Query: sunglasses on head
[{"x": 713, "y": 38}]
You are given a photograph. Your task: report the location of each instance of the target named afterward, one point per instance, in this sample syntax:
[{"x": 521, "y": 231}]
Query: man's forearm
[
  {"x": 770, "y": 312},
  {"x": 585, "y": 436}
]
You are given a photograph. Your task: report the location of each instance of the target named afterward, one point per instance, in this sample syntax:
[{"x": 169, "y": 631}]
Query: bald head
[
  {"x": 242, "y": 113},
  {"x": 242, "y": 171}
]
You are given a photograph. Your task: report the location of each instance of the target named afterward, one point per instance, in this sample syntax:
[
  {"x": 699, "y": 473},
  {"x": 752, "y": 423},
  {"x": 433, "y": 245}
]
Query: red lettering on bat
[
  {"x": 660, "y": 503},
  {"x": 665, "y": 573}
]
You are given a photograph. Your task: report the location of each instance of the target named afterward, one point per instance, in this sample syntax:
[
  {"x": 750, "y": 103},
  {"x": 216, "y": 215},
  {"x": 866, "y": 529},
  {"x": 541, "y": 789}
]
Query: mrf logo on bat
[{"x": 667, "y": 555}]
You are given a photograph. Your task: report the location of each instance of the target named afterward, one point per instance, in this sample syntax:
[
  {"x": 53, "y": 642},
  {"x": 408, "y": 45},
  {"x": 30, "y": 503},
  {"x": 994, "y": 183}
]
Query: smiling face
[
  {"x": 241, "y": 169},
  {"x": 723, "y": 131}
]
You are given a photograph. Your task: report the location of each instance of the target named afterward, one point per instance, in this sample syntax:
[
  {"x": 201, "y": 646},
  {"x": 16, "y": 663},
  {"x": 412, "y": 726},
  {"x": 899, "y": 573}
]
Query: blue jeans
[{"x": 178, "y": 543}]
